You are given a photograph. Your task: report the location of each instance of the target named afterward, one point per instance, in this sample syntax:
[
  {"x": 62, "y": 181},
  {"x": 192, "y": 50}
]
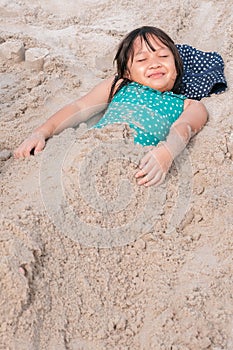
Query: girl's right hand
[{"x": 35, "y": 141}]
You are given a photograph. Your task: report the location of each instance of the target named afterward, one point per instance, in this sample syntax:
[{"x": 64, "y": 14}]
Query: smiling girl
[{"x": 145, "y": 95}]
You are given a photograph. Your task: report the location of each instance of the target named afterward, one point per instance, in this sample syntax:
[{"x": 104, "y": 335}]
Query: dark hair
[{"x": 125, "y": 52}]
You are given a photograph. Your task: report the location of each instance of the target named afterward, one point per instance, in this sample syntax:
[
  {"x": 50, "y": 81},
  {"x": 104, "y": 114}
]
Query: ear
[{"x": 127, "y": 74}]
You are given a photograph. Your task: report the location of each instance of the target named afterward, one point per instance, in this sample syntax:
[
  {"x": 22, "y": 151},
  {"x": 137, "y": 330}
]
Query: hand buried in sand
[
  {"x": 154, "y": 166},
  {"x": 35, "y": 141}
]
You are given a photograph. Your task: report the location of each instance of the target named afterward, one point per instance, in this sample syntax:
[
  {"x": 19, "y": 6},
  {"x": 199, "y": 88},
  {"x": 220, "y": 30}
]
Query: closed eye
[{"x": 141, "y": 60}]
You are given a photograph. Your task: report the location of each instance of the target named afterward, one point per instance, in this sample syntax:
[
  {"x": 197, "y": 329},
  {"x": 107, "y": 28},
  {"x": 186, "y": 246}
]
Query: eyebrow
[{"x": 142, "y": 52}]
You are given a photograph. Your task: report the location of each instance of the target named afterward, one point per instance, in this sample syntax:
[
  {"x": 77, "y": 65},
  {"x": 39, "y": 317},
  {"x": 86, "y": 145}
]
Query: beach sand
[{"x": 90, "y": 260}]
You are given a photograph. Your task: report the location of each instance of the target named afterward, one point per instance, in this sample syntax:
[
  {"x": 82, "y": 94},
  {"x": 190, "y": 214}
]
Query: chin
[{"x": 156, "y": 87}]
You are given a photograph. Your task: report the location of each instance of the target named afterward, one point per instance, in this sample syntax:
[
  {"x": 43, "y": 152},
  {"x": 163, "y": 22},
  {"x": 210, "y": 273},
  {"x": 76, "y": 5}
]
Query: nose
[{"x": 154, "y": 63}]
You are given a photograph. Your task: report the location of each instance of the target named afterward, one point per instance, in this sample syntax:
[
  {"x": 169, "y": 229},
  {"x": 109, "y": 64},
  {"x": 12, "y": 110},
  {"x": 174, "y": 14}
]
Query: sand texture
[{"x": 89, "y": 259}]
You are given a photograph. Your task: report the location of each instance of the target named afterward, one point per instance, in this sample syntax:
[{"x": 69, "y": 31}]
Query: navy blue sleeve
[{"x": 203, "y": 72}]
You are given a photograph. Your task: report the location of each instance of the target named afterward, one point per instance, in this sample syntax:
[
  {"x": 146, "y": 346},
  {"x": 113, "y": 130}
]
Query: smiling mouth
[{"x": 156, "y": 75}]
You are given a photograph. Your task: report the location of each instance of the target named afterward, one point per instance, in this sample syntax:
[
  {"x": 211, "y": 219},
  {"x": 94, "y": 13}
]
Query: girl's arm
[
  {"x": 71, "y": 115},
  {"x": 156, "y": 163},
  {"x": 195, "y": 115}
]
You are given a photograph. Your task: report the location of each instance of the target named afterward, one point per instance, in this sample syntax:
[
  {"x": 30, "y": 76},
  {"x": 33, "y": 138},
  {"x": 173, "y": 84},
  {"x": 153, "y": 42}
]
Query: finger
[
  {"x": 161, "y": 180},
  {"x": 153, "y": 173},
  {"x": 27, "y": 150},
  {"x": 148, "y": 177},
  {"x": 144, "y": 160},
  {"x": 18, "y": 153},
  {"x": 140, "y": 173},
  {"x": 26, "y": 154},
  {"x": 150, "y": 165},
  {"x": 39, "y": 147},
  {"x": 157, "y": 180},
  {"x": 143, "y": 181}
]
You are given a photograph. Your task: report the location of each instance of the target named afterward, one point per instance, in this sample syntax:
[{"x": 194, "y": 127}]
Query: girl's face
[{"x": 155, "y": 69}]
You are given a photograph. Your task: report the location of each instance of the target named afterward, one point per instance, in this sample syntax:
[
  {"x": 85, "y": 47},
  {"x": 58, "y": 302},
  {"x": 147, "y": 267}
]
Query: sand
[{"x": 90, "y": 260}]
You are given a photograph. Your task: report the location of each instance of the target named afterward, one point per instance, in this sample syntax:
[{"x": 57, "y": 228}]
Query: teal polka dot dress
[{"x": 150, "y": 113}]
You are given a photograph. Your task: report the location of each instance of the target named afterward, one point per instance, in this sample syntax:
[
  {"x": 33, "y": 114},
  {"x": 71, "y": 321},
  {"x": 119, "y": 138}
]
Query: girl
[{"x": 143, "y": 94}]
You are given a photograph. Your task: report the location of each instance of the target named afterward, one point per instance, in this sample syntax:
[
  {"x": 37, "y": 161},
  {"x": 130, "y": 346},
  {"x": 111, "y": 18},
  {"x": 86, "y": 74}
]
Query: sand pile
[{"x": 90, "y": 260}]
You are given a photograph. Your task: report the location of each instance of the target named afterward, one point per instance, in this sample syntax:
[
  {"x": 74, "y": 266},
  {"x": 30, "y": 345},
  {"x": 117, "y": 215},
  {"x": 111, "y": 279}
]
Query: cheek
[
  {"x": 173, "y": 73},
  {"x": 173, "y": 70},
  {"x": 136, "y": 71}
]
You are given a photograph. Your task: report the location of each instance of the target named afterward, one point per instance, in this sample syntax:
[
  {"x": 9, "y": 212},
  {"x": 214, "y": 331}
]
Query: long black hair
[{"x": 125, "y": 52}]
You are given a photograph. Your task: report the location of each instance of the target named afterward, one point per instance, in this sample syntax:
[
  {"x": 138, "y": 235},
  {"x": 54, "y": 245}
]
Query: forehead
[{"x": 154, "y": 43}]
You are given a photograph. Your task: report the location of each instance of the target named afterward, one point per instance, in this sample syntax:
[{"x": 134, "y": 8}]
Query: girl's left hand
[{"x": 154, "y": 166}]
